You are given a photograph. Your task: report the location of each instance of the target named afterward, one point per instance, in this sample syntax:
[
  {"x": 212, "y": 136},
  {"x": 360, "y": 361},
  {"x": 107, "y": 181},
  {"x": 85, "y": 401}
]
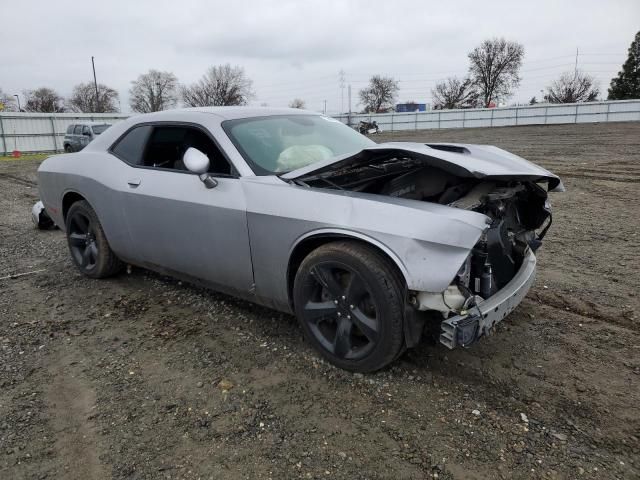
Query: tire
[
  {"x": 349, "y": 301},
  {"x": 88, "y": 244},
  {"x": 67, "y": 148}
]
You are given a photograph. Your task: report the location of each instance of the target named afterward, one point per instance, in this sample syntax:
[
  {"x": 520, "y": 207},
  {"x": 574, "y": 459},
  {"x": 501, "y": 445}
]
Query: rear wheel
[
  {"x": 67, "y": 148},
  {"x": 348, "y": 299},
  {"x": 88, "y": 244}
]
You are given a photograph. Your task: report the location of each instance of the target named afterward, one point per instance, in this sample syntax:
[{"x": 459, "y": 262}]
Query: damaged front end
[
  {"x": 500, "y": 269},
  {"x": 507, "y": 189}
]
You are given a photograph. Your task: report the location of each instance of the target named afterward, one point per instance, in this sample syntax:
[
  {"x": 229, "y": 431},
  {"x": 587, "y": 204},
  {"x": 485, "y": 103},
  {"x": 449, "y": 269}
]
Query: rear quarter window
[
  {"x": 130, "y": 147},
  {"x": 98, "y": 129}
]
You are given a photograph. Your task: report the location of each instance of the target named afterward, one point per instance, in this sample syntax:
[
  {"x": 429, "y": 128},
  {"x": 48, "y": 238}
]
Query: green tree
[{"x": 627, "y": 84}]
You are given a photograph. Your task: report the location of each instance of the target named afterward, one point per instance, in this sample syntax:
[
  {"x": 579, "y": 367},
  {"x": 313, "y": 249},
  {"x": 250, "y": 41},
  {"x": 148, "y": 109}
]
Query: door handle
[{"x": 134, "y": 182}]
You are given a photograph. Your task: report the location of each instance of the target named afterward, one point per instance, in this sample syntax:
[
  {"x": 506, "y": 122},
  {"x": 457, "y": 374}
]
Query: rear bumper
[{"x": 463, "y": 330}]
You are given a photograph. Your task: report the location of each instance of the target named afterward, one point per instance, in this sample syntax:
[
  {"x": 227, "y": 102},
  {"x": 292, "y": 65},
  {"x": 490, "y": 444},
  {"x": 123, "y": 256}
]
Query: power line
[{"x": 420, "y": 83}]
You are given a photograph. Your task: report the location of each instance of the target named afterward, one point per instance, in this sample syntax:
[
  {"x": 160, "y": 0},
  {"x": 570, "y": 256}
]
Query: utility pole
[
  {"x": 18, "y": 98},
  {"x": 95, "y": 83},
  {"x": 325, "y": 107},
  {"x": 575, "y": 70},
  {"x": 341, "y": 83},
  {"x": 349, "y": 95}
]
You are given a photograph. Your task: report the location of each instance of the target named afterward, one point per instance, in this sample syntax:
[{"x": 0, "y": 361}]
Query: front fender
[
  {"x": 427, "y": 242},
  {"x": 424, "y": 265},
  {"x": 350, "y": 234}
]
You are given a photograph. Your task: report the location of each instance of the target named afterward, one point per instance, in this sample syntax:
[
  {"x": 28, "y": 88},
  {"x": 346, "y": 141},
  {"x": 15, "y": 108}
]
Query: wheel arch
[
  {"x": 69, "y": 198},
  {"x": 309, "y": 242}
]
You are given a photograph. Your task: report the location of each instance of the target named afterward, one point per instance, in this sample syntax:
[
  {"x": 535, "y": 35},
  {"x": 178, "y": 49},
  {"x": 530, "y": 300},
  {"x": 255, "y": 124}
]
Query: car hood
[{"x": 465, "y": 160}]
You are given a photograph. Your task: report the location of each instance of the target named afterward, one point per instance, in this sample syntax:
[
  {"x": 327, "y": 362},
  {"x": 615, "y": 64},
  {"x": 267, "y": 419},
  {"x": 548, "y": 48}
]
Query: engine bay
[{"x": 518, "y": 209}]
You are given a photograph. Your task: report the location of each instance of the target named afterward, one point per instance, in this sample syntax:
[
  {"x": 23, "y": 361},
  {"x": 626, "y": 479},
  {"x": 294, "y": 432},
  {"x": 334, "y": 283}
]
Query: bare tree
[
  {"x": 297, "y": 103},
  {"x": 153, "y": 91},
  {"x": 454, "y": 93},
  {"x": 494, "y": 68},
  {"x": 44, "y": 100},
  {"x": 572, "y": 87},
  {"x": 7, "y": 103},
  {"x": 221, "y": 85},
  {"x": 83, "y": 99},
  {"x": 380, "y": 95}
]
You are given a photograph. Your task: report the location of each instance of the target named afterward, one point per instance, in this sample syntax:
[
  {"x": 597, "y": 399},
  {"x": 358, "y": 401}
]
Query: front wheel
[
  {"x": 349, "y": 301},
  {"x": 88, "y": 244}
]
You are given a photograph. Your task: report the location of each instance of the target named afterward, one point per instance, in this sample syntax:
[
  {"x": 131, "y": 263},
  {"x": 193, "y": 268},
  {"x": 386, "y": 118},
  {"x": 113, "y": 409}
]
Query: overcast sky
[{"x": 297, "y": 48}]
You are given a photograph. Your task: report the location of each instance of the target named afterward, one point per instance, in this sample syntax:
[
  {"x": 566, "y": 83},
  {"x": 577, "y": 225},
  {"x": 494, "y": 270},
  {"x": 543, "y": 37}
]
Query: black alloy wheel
[
  {"x": 88, "y": 245},
  {"x": 349, "y": 303},
  {"x": 82, "y": 241},
  {"x": 341, "y": 312}
]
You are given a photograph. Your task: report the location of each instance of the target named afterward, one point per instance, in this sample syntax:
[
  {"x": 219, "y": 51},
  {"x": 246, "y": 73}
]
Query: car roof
[
  {"x": 90, "y": 124},
  {"x": 233, "y": 113}
]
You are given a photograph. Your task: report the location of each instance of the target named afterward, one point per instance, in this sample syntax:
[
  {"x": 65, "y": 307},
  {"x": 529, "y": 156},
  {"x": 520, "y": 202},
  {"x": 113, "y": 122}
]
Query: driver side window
[
  {"x": 163, "y": 147},
  {"x": 167, "y": 146}
]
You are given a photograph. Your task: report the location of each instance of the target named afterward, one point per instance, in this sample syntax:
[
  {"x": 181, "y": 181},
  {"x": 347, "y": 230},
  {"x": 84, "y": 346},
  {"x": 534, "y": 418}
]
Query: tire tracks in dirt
[
  {"x": 15, "y": 178},
  {"x": 71, "y": 401}
]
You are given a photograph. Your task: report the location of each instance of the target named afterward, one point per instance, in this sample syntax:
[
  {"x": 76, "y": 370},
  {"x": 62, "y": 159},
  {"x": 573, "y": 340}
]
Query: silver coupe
[{"x": 372, "y": 246}]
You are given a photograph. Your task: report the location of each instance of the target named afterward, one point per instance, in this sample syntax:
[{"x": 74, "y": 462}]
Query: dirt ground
[{"x": 144, "y": 377}]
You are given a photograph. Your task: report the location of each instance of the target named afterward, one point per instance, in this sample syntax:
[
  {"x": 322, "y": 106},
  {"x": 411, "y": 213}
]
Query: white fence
[
  {"x": 546, "y": 114},
  {"x": 44, "y": 132}
]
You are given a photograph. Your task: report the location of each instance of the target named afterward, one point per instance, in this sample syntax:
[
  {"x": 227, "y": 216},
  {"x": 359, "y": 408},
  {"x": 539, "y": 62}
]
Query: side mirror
[
  {"x": 196, "y": 161},
  {"x": 208, "y": 180}
]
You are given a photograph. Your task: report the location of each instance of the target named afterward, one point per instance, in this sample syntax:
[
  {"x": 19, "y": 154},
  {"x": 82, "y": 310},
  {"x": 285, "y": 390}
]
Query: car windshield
[
  {"x": 279, "y": 144},
  {"x": 98, "y": 129}
]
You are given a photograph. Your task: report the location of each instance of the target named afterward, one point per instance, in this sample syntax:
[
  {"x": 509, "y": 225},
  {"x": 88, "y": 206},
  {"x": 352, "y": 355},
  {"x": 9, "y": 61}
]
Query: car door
[
  {"x": 178, "y": 225},
  {"x": 85, "y": 137},
  {"x": 75, "y": 143},
  {"x": 68, "y": 136}
]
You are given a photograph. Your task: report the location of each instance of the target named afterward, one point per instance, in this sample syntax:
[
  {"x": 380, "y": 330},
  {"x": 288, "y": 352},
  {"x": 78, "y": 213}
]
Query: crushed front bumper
[{"x": 463, "y": 330}]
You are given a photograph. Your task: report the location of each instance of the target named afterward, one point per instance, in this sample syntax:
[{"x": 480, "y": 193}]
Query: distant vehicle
[
  {"x": 79, "y": 135},
  {"x": 368, "y": 128}
]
